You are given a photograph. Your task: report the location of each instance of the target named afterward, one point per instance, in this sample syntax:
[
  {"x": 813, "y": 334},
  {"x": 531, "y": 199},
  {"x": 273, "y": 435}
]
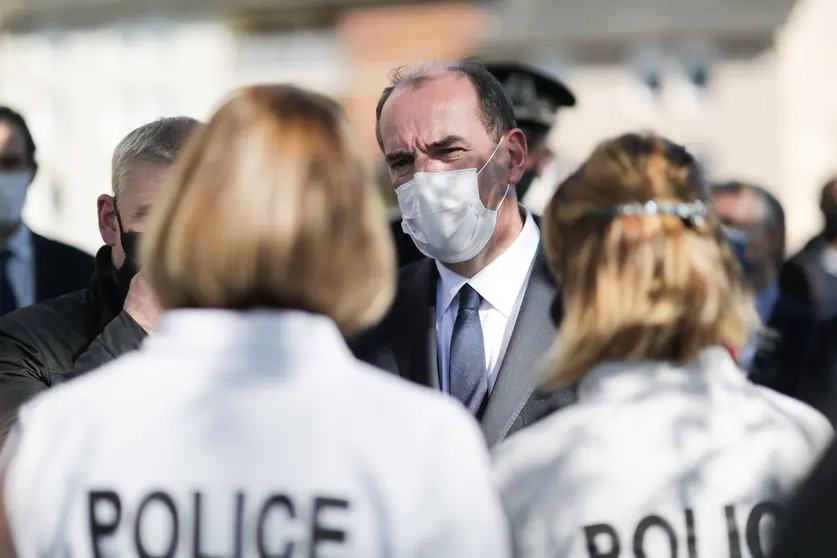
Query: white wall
[
  {"x": 807, "y": 66},
  {"x": 83, "y": 90}
]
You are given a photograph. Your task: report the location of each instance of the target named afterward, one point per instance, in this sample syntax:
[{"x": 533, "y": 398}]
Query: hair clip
[{"x": 692, "y": 213}]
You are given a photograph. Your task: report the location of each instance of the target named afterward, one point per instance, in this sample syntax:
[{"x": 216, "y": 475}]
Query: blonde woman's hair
[
  {"x": 636, "y": 287},
  {"x": 270, "y": 206}
]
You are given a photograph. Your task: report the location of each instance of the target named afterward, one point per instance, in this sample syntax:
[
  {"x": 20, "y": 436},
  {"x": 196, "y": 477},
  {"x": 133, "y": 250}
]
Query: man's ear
[
  {"x": 108, "y": 227},
  {"x": 517, "y": 149}
]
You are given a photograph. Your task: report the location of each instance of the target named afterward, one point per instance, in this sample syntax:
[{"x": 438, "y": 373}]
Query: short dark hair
[
  {"x": 11, "y": 115},
  {"x": 496, "y": 108}
]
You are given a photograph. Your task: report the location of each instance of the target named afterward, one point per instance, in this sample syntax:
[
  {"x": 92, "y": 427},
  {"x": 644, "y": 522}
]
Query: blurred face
[
  {"x": 133, "y": 205},
  {"x": 436, "y": 126},
  {"x": 16, "y": 173},
  {"x": 739, "y": 213},
  {"x": 539, "y": 157}
]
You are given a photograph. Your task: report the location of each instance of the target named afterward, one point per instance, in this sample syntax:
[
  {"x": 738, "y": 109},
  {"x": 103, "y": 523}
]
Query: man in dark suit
[
  {"x": 473, "y": 318},
  {"x": 32, "y": 268},
  {"x": 536, "y": 99},
  {"x": 810, "y": 276}
]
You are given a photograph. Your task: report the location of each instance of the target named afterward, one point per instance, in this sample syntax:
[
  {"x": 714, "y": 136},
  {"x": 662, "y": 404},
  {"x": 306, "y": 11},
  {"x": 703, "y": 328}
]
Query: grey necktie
[{"x": 467, "y": 353}]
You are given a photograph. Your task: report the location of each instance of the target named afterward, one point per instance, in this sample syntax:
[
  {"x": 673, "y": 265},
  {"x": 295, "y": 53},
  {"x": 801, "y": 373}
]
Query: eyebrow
[
  {"x": 445, "y": 143},
  {"x": 141, "y": 211}
]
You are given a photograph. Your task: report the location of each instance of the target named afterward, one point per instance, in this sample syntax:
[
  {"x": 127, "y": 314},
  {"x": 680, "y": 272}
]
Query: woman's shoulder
[{"x": 796, "y": 417}]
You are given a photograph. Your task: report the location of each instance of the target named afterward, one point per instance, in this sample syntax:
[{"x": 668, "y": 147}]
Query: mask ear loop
[
  {"x": 492, "y": 155},
  {"x": 506, "y": 193}
]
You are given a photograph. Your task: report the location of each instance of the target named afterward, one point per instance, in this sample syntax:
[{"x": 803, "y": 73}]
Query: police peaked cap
[{"x": 535, "y": 96}]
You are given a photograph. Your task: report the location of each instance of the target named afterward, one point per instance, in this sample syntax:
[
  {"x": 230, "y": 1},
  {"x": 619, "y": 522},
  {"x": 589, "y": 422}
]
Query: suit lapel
[
  {"x": 414, "y": 338},
  {"x": 522, "y": 367}
]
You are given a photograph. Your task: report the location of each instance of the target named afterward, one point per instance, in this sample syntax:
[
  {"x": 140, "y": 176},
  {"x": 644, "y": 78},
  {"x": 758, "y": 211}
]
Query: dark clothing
[
  {"x": 808, "y": 523},
  {"x": 786, "y": 349},
  {"x": 44, "y": 343},
  {"x": 809, "y": 372},
  {"x": 59, "y": 269},
  {"x": 405, "y": 248},
  {"x": 405, "y": 343},
  {"x": 804, "y": 278}
]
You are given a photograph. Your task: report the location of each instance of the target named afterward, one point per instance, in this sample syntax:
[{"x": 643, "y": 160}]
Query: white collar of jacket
[
  {"x": 247, "y": 335},
  {"x": 633, "y": 380}
]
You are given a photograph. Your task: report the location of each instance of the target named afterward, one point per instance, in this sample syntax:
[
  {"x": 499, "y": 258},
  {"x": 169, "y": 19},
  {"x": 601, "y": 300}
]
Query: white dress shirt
[
  {"x": 657, "y": 456},
  {"x": 249, "y": 430},
  {"x": 20, "y": 267},
  {"x": 501, "y": 285}
]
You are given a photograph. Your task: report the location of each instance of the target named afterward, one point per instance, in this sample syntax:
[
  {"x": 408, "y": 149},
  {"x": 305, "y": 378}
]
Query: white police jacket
[
  {"x": 658, "y": 461},
  {"x": 249, "y": 435}
]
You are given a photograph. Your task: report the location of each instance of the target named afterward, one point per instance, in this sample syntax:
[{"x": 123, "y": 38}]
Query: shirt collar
[
  {"x": 245, "y": 332},
  {"x": 499, "y": 282},
  {"x": 632, "y": 380},
  {"x": 20, "y": 244}
]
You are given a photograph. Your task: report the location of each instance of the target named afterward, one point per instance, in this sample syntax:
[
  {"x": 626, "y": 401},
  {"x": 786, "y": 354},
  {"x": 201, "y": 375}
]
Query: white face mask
[
  {"x": 13, "y": 187},
  {"x": 444, "y": 215}
]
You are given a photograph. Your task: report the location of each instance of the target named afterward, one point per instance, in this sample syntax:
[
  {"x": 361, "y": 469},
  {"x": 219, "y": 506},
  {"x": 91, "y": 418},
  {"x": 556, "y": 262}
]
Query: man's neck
[{"x": 510, "y": 221}]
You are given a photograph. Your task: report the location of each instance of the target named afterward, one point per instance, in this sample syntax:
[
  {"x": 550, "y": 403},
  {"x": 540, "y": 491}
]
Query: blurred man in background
[
  {"x": 32, "y": 268},
  {"x": 754, "y": 223},
  {"x": 810, "y": 276},
  {"x": 536, "y": 99},
  {"x": 779, "y": 357},
  {"x": 44, "y": 343}
]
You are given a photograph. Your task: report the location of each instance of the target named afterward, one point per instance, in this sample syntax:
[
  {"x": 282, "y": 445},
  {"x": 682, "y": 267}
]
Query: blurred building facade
[{"x": 747, "y": 84}]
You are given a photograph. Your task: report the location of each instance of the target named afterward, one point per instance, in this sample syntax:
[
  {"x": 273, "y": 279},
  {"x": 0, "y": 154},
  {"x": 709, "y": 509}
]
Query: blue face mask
[{"x": 739, "y": 240}]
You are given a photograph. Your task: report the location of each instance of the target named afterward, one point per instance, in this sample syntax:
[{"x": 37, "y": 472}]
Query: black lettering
[
  {"x": 691, "y": 538},
  {"x": 196, "y": 533},
  {"x": 99, "y": 529},
  {"x": 323, "y": 534},
  {"x": 278, "y": 500},
  {"x": 732, "y": 532},
  {"x": 239, "y": 524},
  {"x": 647, "y": 523},
  {"x": 591, "y": 532},
  {"x": 168, "y": 503},
  {"x": 754, "y": 542}
]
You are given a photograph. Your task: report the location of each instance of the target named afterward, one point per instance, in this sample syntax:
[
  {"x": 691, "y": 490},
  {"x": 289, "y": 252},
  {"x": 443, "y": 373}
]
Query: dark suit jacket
[
  {"x": 405, "y": 344},
  {"x": 59, "y": 269},
  {"x": 804, "y": 279}
]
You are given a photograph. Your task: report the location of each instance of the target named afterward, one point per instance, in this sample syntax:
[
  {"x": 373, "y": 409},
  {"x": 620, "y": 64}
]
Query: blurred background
[{"x": 747, "y": 85}]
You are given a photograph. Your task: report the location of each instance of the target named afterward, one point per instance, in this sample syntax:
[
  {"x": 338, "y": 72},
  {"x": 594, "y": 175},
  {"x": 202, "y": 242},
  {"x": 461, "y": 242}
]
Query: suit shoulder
[{"x": 59, "y": 250}]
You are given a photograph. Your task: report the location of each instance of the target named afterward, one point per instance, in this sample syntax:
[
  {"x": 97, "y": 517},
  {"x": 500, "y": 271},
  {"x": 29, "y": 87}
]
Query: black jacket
[
  {"x": 42, "y": 344},
  {"x": 808, "y": 523},
  {"x": 59, "y": 269}
]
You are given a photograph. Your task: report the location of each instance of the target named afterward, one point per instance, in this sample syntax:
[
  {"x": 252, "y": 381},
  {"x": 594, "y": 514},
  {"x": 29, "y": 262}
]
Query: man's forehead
[
  {"x": 11, "y": 138},
  {"x": 142, "y": 180},
  {"x": 441, "y": 105},
  {"x": 740, "y": 207}
]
